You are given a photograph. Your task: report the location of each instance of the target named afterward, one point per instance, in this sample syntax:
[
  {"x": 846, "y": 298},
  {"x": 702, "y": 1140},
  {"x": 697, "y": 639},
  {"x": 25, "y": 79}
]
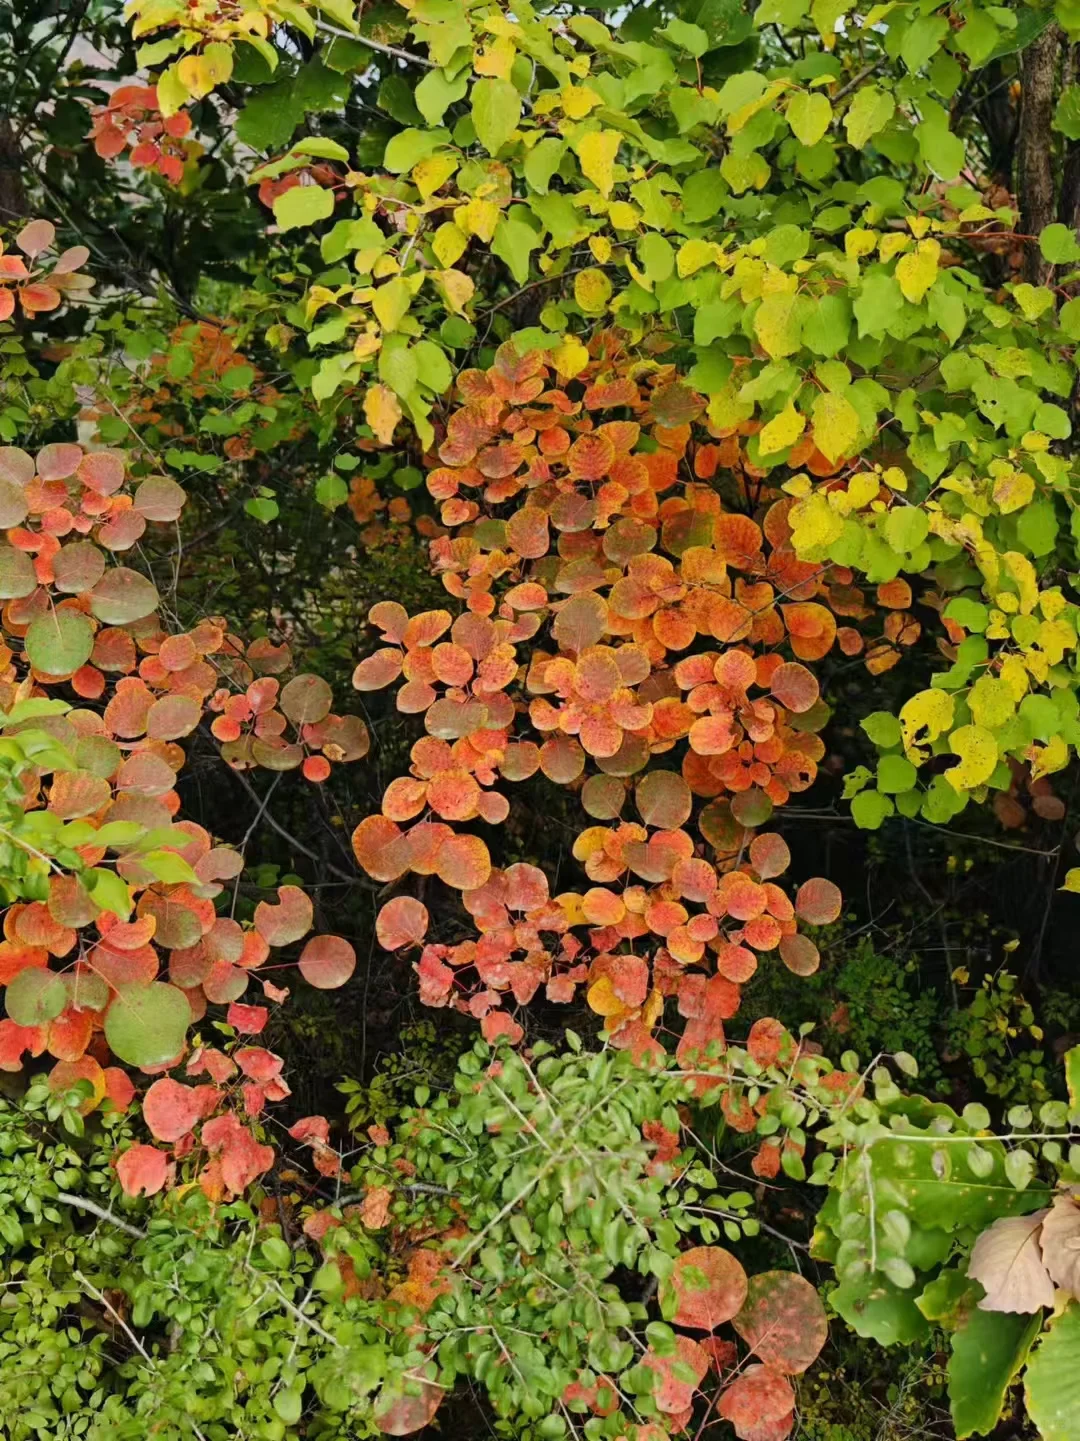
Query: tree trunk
[
  {"x": 1034, "y": 164},
  {"x": 13, "y": 204}
]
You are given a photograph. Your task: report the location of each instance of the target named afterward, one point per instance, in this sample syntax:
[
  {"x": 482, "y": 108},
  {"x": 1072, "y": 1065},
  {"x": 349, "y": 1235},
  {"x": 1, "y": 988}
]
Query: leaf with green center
[
  {"x": 60, "y": 642},
  {"x": 146, "y": 1025}
]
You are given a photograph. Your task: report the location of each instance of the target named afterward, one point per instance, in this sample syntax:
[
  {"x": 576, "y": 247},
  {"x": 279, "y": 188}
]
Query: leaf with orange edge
[
  {"x": 327, "y": 962},
  {"x": 463, "y": 862},
  {"x": 678, "y": 1375},
  {"x": 708, "y": 1286},
  {"x": 286, "y": 922},
  {"x": 818, "y": 902},
  {"x": 760, "y": 1404},
  {"x": 401, "y": 922},
  {"x": 795, "y": 687}
]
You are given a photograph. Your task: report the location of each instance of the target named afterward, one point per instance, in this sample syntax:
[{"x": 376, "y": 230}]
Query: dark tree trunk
[
  {"x": 13, "y": 205},
  {"x": 1034, "y": 162}
]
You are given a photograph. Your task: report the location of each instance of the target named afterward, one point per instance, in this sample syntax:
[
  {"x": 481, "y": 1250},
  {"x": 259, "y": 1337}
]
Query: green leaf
[
  {"x": 437, "y": 92},
  {"x": 331, "y": 491},
  {"x": 690, "y": 38},
  {"x": 871, "y": 110},
  {"x": 1058, "y": 245},
  {"x": 146, "y": 1025},
  {"x": 496, "y": 111},
  {"x": 1067, "y": 113},
  {"x": 895, "y": 774},
  {"x": 1052, "y": 1379},
  {"x": 409, "y": 147},
  {"x": 60, "y": 642},
  {"x": 870, "y": 810},
  {"x": 35, "y": 996},
  {"x": 809, "y": 114},
  {"x": 109, "y": 891},
  {"x": 514, "y": 241},
  {"x": 988, "y": 1351},
  {"x": 303, "y": 205},
  {"x": 922, "y": 39},
  {"x": 883, "y": 728}
]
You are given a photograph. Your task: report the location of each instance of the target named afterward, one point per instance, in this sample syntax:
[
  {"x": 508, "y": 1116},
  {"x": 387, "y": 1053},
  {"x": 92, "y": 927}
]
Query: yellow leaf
[
  {"x": 596, "y": 152},
  {"x": 201, "y": 73},
  {"x": 592, "y": 291},
  {"x": 783, "y": 430},
  {"x": 858, "y": 243},
  {"x": 622, "y": 215},
  {"x": 693, "y": 255},
  {"x": 978, "y": 754},
  {"x": 925, "y": 716},
  {"x": 895, "y": 479},
  {"x": 456, "y": 288},
  {"x": 1054, "y": 756},
  {"x": 382, "y": 411},
  {"x": 1072, "y": 880},
  {"x": 1013, "y": 490},
  {"x": 448, "y": 243},
  {"x": 836, "y": 426},
  {"x": 572, "y": 906},
  {"x": 497, "y": 60},
  {"x": 814, "y": 526},
  {"x": 776, "y": 324},
  {"x": 570, "y": 358},
  {"x": 428, "y": 175},
  {"x": 1014, "y": 675},
  {"x": 862, "y": 489},
  {"x": 918, "y": 270},
  {"x": 479, "y": 218},
  {"x": 1023, "y": 575},
  {"x": 600, "y": 246},
  {"x": 920, "y": 224},
  {"x": 893, "y": 245},
  {"x": 578, "y": 100},
  {"x": 602, "y": 998}
]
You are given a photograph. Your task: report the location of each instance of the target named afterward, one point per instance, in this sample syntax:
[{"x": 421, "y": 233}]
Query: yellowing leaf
[
  {"x": 809, "y": 114},
  {"x": 432, "y": 173},
  {"x": 497, "y": 59},
  {"x": 382, "y": 411},
  {"x": 836, "y": 425},
  {"x": 457, "y": 289},
  {"x": 978, "y": 754},
  {"x": 448, "y": 243},
  {"x": 622, "y": 215},
  {"x": 578, "y": 100},
  {"x": 693, "y": 255},
  {"x": 1013, "y": 490},
  {"x": 1023, "y": 575},
  {"x": 1045, "y": 760},
  {"x": 858, "y": 243},
  {"x": 918, "y": 270},
  {"x": 391, "y": 302},
  {"x": 814, "y": 527},
  {"x": 478, "y": 217},
  {"x": 592, "y": 291},
  {"x": 570, "y": 358},
  {"x": 924, "y": 717},
  {"x": 600, "y": 246},
  {"x": 201, "y": 73},
  {"x": 783, "y": 430},
  {"x": 596, "y": 153},
  {"x": 776, "y": 324}
]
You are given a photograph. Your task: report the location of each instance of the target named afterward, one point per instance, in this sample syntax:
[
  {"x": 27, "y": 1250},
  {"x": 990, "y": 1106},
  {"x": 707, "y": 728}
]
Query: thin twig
[
  {"x": 376, "y": 45},
  {"x": 82, "y": 1204}
]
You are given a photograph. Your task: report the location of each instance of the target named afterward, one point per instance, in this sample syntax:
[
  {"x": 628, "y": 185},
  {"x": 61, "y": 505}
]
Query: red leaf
[
  {"x": 710, "y": 1286},
  {"x": 142, "y": 1170},
  {"x": 170, "y": 1109}
]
